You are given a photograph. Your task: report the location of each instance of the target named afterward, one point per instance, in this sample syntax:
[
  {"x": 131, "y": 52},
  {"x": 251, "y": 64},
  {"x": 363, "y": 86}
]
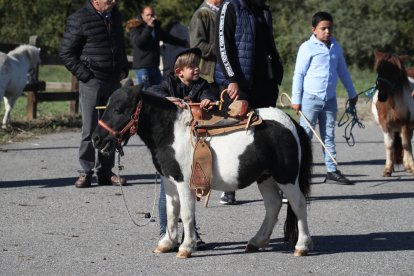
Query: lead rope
[
  {"x": 120, "y": 168},
  {"x": 350, "y": 117}
]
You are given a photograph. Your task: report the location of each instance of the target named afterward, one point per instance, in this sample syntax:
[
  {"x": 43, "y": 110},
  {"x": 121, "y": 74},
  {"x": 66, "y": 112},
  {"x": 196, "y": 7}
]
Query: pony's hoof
[
  {"x": 250, "y": 248},
  {"x": 386, "y": 174},
  {"x": 183, "y": 254},
  {"x": 300, "y": 252},
  {"x": 161, "y": 249}
]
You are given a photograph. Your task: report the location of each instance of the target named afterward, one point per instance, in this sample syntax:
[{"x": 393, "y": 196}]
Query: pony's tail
[
  {"x": 397, "y": 157},
  {"x": 291, "y": 230},
  {"x": 291, "y": 227}
]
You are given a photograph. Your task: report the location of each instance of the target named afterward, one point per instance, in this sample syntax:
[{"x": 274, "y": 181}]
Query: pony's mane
[
  {"x": 30, "y": 52},
  {"x": 387, "y": 64},
  {"x": 163, "y": 105},
  {"x": 157, "y": 100},
  {"x": 21, "y": 49}
]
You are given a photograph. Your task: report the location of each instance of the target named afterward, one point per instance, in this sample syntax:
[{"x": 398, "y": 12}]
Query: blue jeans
[
  {"x": 162, "y": 209},
  {"x": 324, "y": 112},
  {"x": 148, "y": 76}
]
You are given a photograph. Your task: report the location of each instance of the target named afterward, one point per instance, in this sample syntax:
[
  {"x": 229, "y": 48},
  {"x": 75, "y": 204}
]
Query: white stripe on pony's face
[{"x": 374, "y": 110}]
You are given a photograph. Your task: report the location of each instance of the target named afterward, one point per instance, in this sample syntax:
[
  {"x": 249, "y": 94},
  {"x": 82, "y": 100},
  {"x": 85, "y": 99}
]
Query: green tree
[
  {"x": 170, "y": 11},
  {"x": 360, "y": 26},
  {"x": 46, "y": 19}
]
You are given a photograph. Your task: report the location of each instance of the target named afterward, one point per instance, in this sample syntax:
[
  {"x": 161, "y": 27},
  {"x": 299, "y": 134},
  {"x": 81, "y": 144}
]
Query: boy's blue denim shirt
[{"x": 317, "y": 69}]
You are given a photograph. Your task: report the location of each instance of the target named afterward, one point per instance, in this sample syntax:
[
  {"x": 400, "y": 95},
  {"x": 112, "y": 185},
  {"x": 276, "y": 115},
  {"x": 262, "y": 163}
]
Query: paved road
[{"x": 48, "y": 227}]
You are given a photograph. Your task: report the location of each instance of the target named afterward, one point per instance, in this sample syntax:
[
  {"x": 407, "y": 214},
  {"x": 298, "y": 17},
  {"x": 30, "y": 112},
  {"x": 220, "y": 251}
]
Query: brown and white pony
[{"x": 393, "y": 110}]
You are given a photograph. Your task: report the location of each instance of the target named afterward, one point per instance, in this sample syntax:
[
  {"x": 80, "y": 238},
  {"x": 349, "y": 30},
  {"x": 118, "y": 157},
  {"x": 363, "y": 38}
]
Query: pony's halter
[
  {"x": 391, "y": 84},
  {"x": 130, "y": 127}
]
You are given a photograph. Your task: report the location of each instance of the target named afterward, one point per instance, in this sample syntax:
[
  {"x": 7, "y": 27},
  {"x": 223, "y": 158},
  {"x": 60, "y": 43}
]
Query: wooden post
[
  {"x": 31, "y": 109},
  {"x": 74, "y": 105}
]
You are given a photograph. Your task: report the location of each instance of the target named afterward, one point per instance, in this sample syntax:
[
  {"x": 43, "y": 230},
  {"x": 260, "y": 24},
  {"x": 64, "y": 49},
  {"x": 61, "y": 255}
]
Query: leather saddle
[
  {"x": 237, "y": 116},
  {"x": 229, "y": 117}
]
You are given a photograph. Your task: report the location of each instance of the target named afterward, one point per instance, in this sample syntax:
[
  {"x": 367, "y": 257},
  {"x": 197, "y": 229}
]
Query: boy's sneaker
[
  {"x": 337, "y": 177},
  {"x": 228, "y": 198}
]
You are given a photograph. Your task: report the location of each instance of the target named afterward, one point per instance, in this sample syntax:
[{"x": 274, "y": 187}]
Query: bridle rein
[{"x": 131, "y": 127}]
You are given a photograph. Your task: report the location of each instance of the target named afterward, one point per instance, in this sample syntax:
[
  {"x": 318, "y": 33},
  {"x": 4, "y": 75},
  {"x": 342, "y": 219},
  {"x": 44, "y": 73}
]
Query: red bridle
[{"x": 131, "y": 126}]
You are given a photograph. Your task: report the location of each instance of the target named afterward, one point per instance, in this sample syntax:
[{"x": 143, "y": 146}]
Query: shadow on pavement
[
  {"x": 52, "y": 148},
  {"x": 69, "y": 181},
  {"x": 373, "y": 242},
  {"x": 383, "y": 196},
  {"x": 360, "y": 162}
]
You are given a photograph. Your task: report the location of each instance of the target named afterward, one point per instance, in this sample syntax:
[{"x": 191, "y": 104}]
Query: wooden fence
[{"x": 36, "y": 89}]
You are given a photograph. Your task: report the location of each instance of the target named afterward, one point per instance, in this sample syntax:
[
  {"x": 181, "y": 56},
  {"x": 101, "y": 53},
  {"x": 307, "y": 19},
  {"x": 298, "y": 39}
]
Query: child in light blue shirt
[{"x": 319, "y": 63}]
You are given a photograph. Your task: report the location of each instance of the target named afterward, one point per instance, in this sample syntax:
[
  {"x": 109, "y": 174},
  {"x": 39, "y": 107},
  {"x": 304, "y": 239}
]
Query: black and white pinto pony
[
  {"x": 276, "y": 154},
  {"x": 14, "y": 67}
]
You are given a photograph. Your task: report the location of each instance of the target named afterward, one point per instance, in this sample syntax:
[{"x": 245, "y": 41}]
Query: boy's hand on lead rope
[{"x": 353, "y": 101}]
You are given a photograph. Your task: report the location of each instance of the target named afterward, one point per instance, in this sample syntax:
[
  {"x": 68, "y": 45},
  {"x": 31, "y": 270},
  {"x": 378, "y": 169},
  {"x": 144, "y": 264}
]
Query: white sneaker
[{"x": 228, "y": 198}]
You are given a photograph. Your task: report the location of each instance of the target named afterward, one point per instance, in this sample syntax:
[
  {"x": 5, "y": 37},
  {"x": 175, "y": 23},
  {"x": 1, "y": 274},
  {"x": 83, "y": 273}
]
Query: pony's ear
[{"x": 128, "y": 83}]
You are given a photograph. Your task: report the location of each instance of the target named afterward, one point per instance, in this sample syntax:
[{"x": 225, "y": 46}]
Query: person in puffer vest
[{"x": 248, "y": 63}]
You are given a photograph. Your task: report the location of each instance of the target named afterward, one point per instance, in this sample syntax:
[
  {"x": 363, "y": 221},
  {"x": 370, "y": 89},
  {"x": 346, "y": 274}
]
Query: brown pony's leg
[
  {"x": 406, "y": 135},
  {"x": 389, "y": 152}
]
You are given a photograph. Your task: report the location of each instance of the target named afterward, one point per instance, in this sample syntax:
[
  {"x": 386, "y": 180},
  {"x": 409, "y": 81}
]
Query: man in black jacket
[
  {"x": 145, "y": 41},
  {"x": 93, "y": 49}
]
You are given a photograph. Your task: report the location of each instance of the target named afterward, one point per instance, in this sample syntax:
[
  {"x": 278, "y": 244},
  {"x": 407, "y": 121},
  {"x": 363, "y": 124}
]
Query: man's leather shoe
[
  {"x": 84, "y": 181},
  {"x": 111, "y": 179}
]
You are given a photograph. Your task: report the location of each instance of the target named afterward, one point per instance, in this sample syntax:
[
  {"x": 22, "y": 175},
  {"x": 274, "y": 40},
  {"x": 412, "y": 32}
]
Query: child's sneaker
[{"x": 228, "y": 198}]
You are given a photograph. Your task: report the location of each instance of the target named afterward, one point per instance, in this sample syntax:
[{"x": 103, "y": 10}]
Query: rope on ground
[{"x": 120, "y": 168}]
